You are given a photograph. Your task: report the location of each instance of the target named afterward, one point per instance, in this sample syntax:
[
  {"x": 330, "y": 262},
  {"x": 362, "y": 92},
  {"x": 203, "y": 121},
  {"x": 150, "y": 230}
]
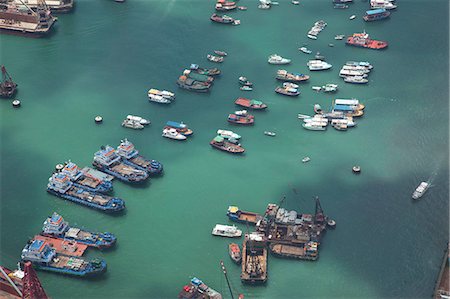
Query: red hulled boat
[
  {"x": 363, "y": 40},
  {"x": 251, "y": 104}
]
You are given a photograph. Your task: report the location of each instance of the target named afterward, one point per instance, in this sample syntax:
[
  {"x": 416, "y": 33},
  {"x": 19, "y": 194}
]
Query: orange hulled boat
[
  {"x": 363, "y": 40},
  {"x": 251, "y": 104}
]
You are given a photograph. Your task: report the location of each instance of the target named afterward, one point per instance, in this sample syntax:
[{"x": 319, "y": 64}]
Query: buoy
[
  {"x": 16, "y": 103},
  {"x": 356, "y": 169},
  {"x": 331, "y": 223},
  {"x": 98, "y": 119},
  {"x": 59, "y": 167}
]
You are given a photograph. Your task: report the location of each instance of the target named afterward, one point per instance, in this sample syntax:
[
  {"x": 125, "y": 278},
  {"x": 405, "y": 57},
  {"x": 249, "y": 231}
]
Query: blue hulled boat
[
  {"x": 107, "y": 160},
  {"x": 84, "y": 181},
  {"x": 130, "y": 156},
  {"x": 43, "y": 257},
  {"x": 60, "y": 185},
  {"x": 56, "y": 227}
]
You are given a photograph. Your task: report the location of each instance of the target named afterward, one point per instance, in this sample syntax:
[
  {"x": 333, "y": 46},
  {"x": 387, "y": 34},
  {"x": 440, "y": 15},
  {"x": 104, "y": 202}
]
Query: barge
[
  {"x": 65, "y": 247},
  {"x": 235, "y": 214},
  {"x": 254, "y": 259},
  {"x": 130, "y": 156},
  {"x": 85, "y": 180},
  {"x": 8, "y": 87}
]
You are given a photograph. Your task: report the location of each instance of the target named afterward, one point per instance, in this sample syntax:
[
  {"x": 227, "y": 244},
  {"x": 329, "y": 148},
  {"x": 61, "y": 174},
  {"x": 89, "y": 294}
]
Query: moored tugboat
[
  {"x": 24, "y": 20},
  {"x": 250, "y": 104},
  {"x": 224, "y": 145},
  {"x": 86, "y": 181},
  {"x": 61, "y": 185},
  {"x": 56, "y": 227},
  {"x": 130, "y": 156},
  {"x": 254, "y": 259},
  {"x": 43, "y": 257},
  {"x": 362, "y": 40},
  {"x": 241, "y": 118},
  {"x": 107, "y": 160},
  {"x": 7, "y": 87}
]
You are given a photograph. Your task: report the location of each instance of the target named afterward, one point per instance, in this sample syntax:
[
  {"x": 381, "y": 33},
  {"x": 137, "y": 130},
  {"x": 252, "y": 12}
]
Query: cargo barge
[
  {"x": 237, "y": 215},
  {"x": 65, "y": 247},
  {"x": 254, "y": 259},
  {"x": 130, "y": 156},
  {"x": 43, "y": 257},
  {"x": 21, "y": 19},
  {"x": 56, "y": 227},
  {"x": 60, "y": 185},
  {"x": 56, "y": 6},
  {"x": 84, "y": 180}
]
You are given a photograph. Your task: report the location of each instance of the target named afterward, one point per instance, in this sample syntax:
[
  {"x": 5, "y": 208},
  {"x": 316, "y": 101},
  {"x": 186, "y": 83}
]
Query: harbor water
[{"x": 104, "y": 56}]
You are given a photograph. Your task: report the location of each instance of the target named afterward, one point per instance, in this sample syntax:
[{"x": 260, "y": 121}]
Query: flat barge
[
  {"x": 254, "y": 259},
  {"x": 65, "y": 247},
  {"x": 237, "y": 215}
]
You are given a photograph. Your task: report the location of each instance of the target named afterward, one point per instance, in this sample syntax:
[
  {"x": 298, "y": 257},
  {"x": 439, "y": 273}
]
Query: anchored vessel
[
  {"x": 191, "y": 84},
  {"x": 229, "y": 231},
  {"x": 54, "y": 5},
  {"x": 363, "y": 40},
  {"x": 235, "y": 214},
  {"x": 107, "y": 160},
  {"x": 235, "y": 253},
  {"x": 85, "y": 180},
  {"x": 130, "y": 156},
  {"x": 251, "y": 104},
  {"x": 254, "y": 259},
  {"x": 21, "y": 18},
  {"x": 220, "y": 143},
  {"x": 376, "y": 14},
  {"x": 56, "y": 227},
  {"x": 45, "y": 258},
  {"x": 277, "y": 59},
  {"x": 61, "y": 185},
  {"x": 241, "y": 118},
  {"x": 7, "y": 87},
  {"x": 284, "y": 75},
  {"x": 420, "y": 190},
  {"x": 222, "y": 19},
  {"x": 198, "y": 289},
  {"x": 209, "y": 72},
  {"x": 181, "y": 128}
]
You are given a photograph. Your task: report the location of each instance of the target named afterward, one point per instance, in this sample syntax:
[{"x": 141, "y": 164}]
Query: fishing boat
[
  {"x": 56, "y": 227},
  {"x": 172, "y": 133},
  {"x": 128, "y": 123},
  {"x": 60, "y": 185},
  {"x": 181, "y": 127},
  {"x": 305, "y": 50},
  {"x": 214, "y": 58},
  {"x": 209, "y": 72},
  {"x": 420, "y": 190},
  {"x": 292, "y": 92},
  {"x": 269, "y": 133},
  {"x": 237, "y": 215},
  {"x": 250, "y": 104},
  {"x": 220, "y": 53},
  {"x": 306, "y": 159},
  {"x": 277, "y": 59},
  {"x": 198, "y": 77},
  {"x": 284, "y": 75},
  {"x": 228, "y": 134},
  {"x": 7, "y": 86},
  {"x": 241, "y": 118},
  {"x": 229, "y": 231},
  {"x": 45, "y": 258},
  {"x": 158, "y": 99},
  {"x": 130, "y": 156},
  {"x": 85, "y": 180},
  {"x": 254, "y": 259},
  {"x": 244, "y": 81},
  {"x": 222, "y": 19},
  {"x": 222, "y": 144},
  {"x": 246, "y": 88},
  {"x": 107, "y": 160},
  {"x": 318, "y": 65},
  {"x": 376, "y": 15},
  {"x": 362, "y": 40},
  {"x": 235, "y": 253},
  {"x": 190, "y": 84}
]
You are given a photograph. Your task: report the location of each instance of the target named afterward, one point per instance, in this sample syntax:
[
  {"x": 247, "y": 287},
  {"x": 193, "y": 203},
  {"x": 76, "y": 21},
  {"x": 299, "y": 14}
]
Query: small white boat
[
  {"x": 173, "y": 134},
  {"x": 314, "y": 127},
  {"x": 306, "y": 159},
  {"x": 138, "y": 119},
  {"x": 214, "y": 58},
  {"x": 237, "y": 22},
  {"x": 420, "y": 190},
  {"x": 228, "y": 134},
  {"x": 303, "y": 116},
  {"x": 317, "y": 108},
  {"x": 269, "y": 133},
  {"x": 316, "y": 88},
  {"x": 305, "y": 50},
  {"x": 352, "y": 17},
  {"x": 312, "y": 36},
  {"x": 241, "y": 112},
  {"x": 295, "y": 2},
  {"x": 318, "y": 65},
  {"x": 356, "y": 79},
  {"x": 330, "y": 87},
  {"x": 229, "y": 231},
  {"x": 158, "y": 99},
  {"x": 164, "y": 93},
  {"x": 290, "y": 85},
  {"x": 132, "y": 124},
  {"x": 339, "y": 37},
  {"x": 246, "y": 88},
  {"x": 277, "y": 59}
]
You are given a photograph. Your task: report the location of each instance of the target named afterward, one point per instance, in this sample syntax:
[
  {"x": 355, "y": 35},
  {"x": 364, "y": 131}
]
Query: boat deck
[
  {"x": 288, "y": 250},
  {"x": 68, "y": 262},
  {"x": 64, "y": 247},
  {"x": 97, "y": 174},
  {"x": 141, "y": 161},
  {"x": 124, "y": 169},
  {"x": 248, "y": 217},
  {"x": 88, "y": 181},
  {"x": 88, "y": 196}
]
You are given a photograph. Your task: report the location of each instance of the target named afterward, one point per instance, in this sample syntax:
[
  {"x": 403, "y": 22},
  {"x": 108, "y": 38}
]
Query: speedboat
[
  {"x": 305, "y": 50},
  {"x": 277, "y": 59},
  {"x": 173, "y": 134},
  {"x": 420, "y": 190},
  {"x": 316, "y": 88},
  {"x": 269, "y": 133},
  {"x": 295, "y": 2},
  {"x": 306, "y": 159},
  {"x": 352, "y": 17}
]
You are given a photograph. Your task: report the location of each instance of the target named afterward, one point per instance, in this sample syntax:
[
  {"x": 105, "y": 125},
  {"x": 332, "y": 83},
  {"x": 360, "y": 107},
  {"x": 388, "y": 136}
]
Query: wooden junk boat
[
  {"x": 251, "y": 104},
  {"x": 7, "y": 86},
  {"x": 220, "y": 143}
]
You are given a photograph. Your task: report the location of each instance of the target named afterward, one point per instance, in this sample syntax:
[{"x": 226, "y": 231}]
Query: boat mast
[
  {"x": 11, "y": 282},
  {"x": 5, "y": 76},
  {"x": 226, "y": 277}
]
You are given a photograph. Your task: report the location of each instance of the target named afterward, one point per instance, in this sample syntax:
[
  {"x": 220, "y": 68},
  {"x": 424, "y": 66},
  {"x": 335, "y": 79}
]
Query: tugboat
[
  {"x": 235, "y": 214},
  {"x": 241, "y": 118},
  {"x": 191, "y": 84},
  {"x": 45, "y": 258},
  {"x": 181, "y": 128},
  {"x": 235, "y": 253},
  {"x": 208, "y": 72},
  {"x": 363, "y": 40},
  {"x": 130, "y": 156},
  {"x": 60, "y": 185},
  {"x": 284, "y": 75},
  {"x": 107, "y": 160},
  {"x": 229, "y": 231},
  {"x": 254, "y": 259},
  {"x": 56, "y": 227},
  {"x": 85, "y": 181},
  {"x": 7, "y": 87},
  {"x": 220, "y": 143},
  {"x": 222, "y": 19},
  {"x": 250, "y": 104}
]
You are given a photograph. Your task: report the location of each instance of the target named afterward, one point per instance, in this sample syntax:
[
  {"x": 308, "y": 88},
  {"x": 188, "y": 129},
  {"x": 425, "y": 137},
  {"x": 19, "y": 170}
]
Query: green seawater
[{"x": 102, "y": 59}]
